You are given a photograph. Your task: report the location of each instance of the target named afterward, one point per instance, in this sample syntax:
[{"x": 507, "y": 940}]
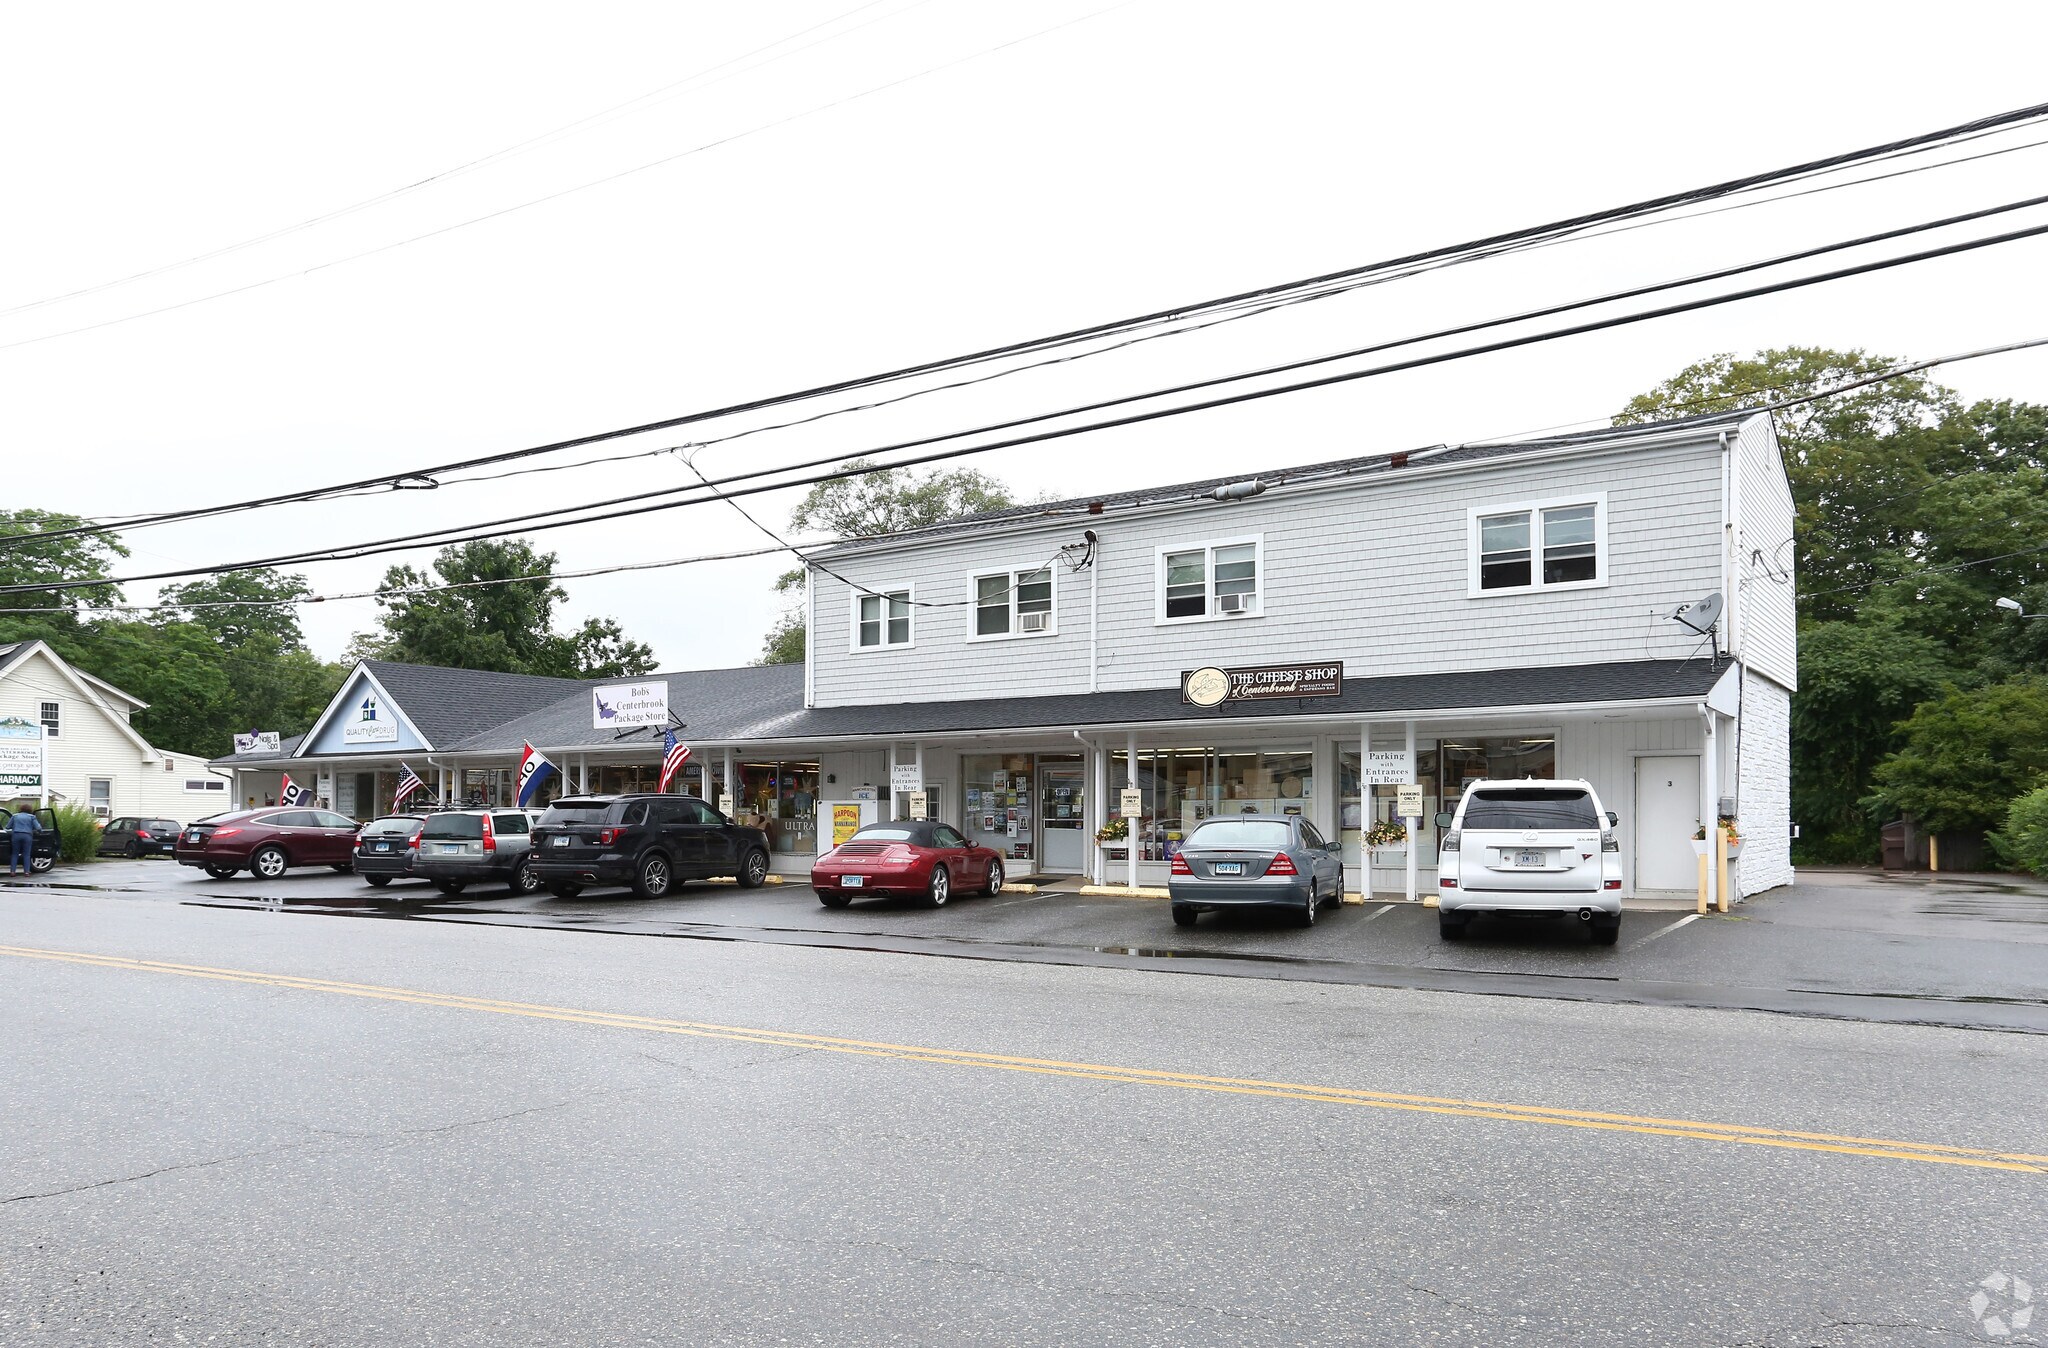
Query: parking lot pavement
[{"x": 1934, "y": 950}]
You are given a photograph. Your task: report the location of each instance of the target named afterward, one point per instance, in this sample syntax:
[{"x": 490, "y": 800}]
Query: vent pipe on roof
[{"x": 1238, "y": 491}]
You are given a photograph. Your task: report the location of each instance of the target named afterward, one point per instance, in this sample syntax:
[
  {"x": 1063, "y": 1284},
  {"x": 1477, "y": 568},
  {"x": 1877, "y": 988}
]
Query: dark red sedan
[
  {"x": 267, "y": 841},
  {"x": 906, "y": 859}
]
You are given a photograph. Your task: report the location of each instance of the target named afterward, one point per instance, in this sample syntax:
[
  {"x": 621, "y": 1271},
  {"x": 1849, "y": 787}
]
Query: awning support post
[
  {"x": 1415, "y": 824},
  {"x": 1365, "y": 810},
  {"x": 1131, "y": 780}
]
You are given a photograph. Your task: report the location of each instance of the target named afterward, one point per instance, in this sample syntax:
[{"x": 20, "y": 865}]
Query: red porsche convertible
[{"x": 909, "y": 858}]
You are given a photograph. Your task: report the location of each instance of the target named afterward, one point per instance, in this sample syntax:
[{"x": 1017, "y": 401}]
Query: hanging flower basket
[{"x": 1116, "y": 830}]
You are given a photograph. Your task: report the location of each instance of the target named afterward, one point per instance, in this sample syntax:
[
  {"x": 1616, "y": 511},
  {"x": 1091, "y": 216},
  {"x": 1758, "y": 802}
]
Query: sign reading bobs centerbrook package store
[
  {"x": 1211, "y": 686},
  {"x": 618, "y": 705}
]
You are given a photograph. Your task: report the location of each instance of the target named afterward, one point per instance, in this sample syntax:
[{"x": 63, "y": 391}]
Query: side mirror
[
  {"x": 1443, "y": 819},
  {"x": 1613, "y": 819}
]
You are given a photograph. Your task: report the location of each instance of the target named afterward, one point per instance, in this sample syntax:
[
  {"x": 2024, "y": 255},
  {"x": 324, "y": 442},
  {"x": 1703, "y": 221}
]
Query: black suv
[{"x": 649, "y": 842}]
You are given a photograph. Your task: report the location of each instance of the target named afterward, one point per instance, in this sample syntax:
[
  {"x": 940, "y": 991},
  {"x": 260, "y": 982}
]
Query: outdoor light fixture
[{"x": 2014, "y": 606}]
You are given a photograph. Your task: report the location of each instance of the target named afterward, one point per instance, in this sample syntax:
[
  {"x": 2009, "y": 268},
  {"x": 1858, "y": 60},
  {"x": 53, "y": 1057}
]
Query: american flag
[
  {"x": 408, "y": 782},
  {"x": 673, "y": 756}
]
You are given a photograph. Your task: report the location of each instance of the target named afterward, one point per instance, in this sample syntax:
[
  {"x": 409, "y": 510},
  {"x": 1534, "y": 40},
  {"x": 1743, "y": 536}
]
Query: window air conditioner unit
[
  {"x": 1033, "y": 622},
  {"x": 1233, "y": 603}
]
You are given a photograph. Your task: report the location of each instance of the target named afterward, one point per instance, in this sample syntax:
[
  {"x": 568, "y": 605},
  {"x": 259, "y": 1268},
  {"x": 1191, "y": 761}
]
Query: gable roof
[
  {"x": 713, "y": 704},
  {"x": 449, "y": 705},
  {"x": 15, "y": 654}
]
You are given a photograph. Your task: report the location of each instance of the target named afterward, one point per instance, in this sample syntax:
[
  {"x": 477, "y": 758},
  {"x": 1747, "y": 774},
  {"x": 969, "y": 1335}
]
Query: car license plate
[
  {"x": 1528, "y": 858},
  {"x": 191, "y": 837},
  {"x": 1228, "y": 868},
  {"x": 562, "y": 841},
  {"x": 383, "y": 847},
  {"x": 853, "y": 881},
  {"x": 450, "y": 849}
]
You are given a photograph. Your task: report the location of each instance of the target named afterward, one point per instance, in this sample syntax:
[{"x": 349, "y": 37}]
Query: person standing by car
[{"x": 21, "y": 839}]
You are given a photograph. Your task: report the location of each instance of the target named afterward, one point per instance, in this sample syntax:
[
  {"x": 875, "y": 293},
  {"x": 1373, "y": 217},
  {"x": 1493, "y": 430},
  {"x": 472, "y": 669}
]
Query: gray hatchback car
[
  {"x": 461, "y": 847},
  {"x": 1255, "y": 860}
]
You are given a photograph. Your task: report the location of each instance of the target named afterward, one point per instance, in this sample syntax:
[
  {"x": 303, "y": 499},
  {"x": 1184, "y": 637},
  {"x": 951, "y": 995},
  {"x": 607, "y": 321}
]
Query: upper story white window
[
  {"x": 1215, "y": 580},
  {"x": 1014, "y": 604},
  {"x": 1538, "y": 545},
  {"x": 881, "y": 618},
  {"x": 52, "y": 717}
]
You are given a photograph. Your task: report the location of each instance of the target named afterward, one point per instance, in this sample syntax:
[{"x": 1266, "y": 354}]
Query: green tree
[
  {"x": 261, "y": 607},
  {"x": 1856, "y": 683},
  {"x": 885, "y": 502},
  {"x": 27, "y": 560},
  {"x": 1968, "y": 755},
  {"x": 506, "y": 626}
]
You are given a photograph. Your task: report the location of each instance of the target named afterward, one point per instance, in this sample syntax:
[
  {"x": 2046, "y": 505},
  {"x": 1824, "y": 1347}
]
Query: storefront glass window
[
  {"x": 1358, "y": 810},
  {"x": 781, "y": 798},
  {"x": 996, "y": 802},
  {"x": 1183, "y": 787}
]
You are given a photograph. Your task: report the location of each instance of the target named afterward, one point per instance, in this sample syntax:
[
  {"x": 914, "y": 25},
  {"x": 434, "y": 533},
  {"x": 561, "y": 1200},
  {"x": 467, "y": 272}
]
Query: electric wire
[
  {"x": 1639, "y": 208},
  {"x": 567, "y": 191},
  {"x": 1434, "y": 358},
  {"x": 537, "y": 521},
  {"x": 1053, "y": 510},
  {"x": 604, "y": 116}
]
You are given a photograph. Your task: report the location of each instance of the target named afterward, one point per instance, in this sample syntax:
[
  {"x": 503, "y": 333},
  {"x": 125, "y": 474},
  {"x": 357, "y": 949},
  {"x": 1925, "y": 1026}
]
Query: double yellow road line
[{"x": 1929, "y": 1153}]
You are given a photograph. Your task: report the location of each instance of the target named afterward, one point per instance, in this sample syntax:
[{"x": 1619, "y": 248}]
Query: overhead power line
[
  {"x": 1507, "y": 343},
  {"x": 802, "y": 550},
  {"x": 1176, "y": 313},
  {"x": 601, "y": 117},
  {"x": 568, "y": 191}
]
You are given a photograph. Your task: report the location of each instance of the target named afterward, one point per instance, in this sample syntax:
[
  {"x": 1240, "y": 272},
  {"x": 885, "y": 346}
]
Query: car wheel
[
  {"x": 447, "y": 886},
  {"x": 269, "y": 862},
  {"x": 653, "y": 878},
  {"x": 942, "y": 888},
  {"x": 525, "y": 880},
  {"x": 133, "y": 851},
  {"x": 562, "y": 891},
  {"x": 995, "y": 879},
  {"x": 40, "y": 865},
  {"x": 754, "y": 870},
  {"x": 1605, "y": 933},
  {"x": 1450, "y": 928},
  {"x": 220, "y": 872},
  {"x": 1308, "y": 912},
  {"x": 834, "y": 900},
  {"x": 1184, "y": 915},
  {"x": 377, "y": 881}
]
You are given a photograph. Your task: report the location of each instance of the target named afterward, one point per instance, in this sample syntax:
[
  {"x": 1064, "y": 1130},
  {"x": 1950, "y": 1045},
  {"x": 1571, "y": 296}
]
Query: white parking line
[
  {"x": 1666, "y": 931},
  {"x": 1381, "y": 913},
  {"x": 1028, "y": 898}
]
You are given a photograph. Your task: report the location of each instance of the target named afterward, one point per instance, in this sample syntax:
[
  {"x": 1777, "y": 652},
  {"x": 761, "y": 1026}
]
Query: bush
[
  {"x": 2023, "y": 842},
  {"x": 81, "y": 830}
]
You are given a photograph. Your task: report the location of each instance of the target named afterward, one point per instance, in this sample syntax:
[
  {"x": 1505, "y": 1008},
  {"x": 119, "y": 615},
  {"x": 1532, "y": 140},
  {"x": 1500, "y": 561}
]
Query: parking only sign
[
  {"x": 1131, "y": 802},
  {"x": 1408, "y": 800}
]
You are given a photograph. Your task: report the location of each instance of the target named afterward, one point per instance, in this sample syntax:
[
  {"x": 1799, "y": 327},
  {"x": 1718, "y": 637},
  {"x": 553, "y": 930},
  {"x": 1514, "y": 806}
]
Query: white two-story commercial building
[{"x": 1300, "y": 639}]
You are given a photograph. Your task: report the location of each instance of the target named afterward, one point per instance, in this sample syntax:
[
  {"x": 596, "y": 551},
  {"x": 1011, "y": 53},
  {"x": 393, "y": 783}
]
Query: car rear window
[
  {"x": 1531, "y": 807},
  {"x": 1240, "y": 833},
  {"x": 163, "y": 825},
  {"x": 391, "y": 826},
  {"x": 873, "y": 834},
  {"x": 454, "y": 826},
  {"x": 577, "y": 812}
]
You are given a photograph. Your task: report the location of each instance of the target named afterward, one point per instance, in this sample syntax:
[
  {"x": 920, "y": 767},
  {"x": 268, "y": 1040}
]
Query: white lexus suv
[{"x": 1530, "y": 847}]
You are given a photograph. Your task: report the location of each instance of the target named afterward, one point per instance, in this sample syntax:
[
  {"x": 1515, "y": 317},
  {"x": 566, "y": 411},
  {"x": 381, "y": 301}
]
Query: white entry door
[{"x": 1667, "y": 812}]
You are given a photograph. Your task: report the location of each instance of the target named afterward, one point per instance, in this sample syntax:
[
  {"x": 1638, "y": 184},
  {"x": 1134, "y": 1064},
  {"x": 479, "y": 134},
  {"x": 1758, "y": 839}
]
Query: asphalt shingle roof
[
  {"x": 450, "y": 705},
  {"x": 714, "y": 704}
]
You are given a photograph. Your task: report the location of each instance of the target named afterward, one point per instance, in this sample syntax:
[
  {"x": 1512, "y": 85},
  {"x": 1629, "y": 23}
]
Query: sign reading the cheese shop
[{"x": 1211, "y": 686}]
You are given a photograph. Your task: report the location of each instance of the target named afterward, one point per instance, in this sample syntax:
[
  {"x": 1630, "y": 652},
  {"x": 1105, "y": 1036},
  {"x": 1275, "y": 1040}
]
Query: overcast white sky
[{"x": 1153, "y": 152}]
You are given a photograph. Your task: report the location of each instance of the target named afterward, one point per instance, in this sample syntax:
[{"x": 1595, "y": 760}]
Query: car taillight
[
  {"x": 1448, "y": 883},
  {"x": 142, "y": 835},
  {"x": 490, "y": 838},
  {"x": 607, "y": 836},
  {"x": 1609, "y": 843},
  {"x": 1614, "y": 884},
  {"x": 225, "y": 832},
  {"x": 1282, "y": 865},
  {"x": 1449, "y": 843},
  {"x": 1180, "y": 865},
  {"x": 412, "y": 841}
]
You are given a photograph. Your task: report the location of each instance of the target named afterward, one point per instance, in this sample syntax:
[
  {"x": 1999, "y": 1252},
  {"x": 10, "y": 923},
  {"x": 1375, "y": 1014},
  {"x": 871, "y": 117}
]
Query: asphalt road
[
  {"x": 238, "y": 1127},
  {"x": 1963, "y": 951}
]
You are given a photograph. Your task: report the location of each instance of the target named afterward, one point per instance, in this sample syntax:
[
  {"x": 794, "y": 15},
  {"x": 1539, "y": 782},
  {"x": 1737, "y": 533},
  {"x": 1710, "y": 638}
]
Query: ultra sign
[{"x": 1212, "y": 687}]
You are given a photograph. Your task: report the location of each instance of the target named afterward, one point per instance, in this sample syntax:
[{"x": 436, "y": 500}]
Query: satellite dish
[{"x": 1701, "y": 614}]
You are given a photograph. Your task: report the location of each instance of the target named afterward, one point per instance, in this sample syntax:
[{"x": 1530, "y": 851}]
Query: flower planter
[
  {"x": 1734, "y": 850},
  {"x": 1699, "y": 847},
  {"x": 1118, "y": 853},
  {"x": 1397, "y": 855}
]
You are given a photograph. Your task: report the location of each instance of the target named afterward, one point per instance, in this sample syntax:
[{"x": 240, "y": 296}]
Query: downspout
[
  {"x": 1094, "y": 579},
  {"x": 1727, "y": 541}
]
